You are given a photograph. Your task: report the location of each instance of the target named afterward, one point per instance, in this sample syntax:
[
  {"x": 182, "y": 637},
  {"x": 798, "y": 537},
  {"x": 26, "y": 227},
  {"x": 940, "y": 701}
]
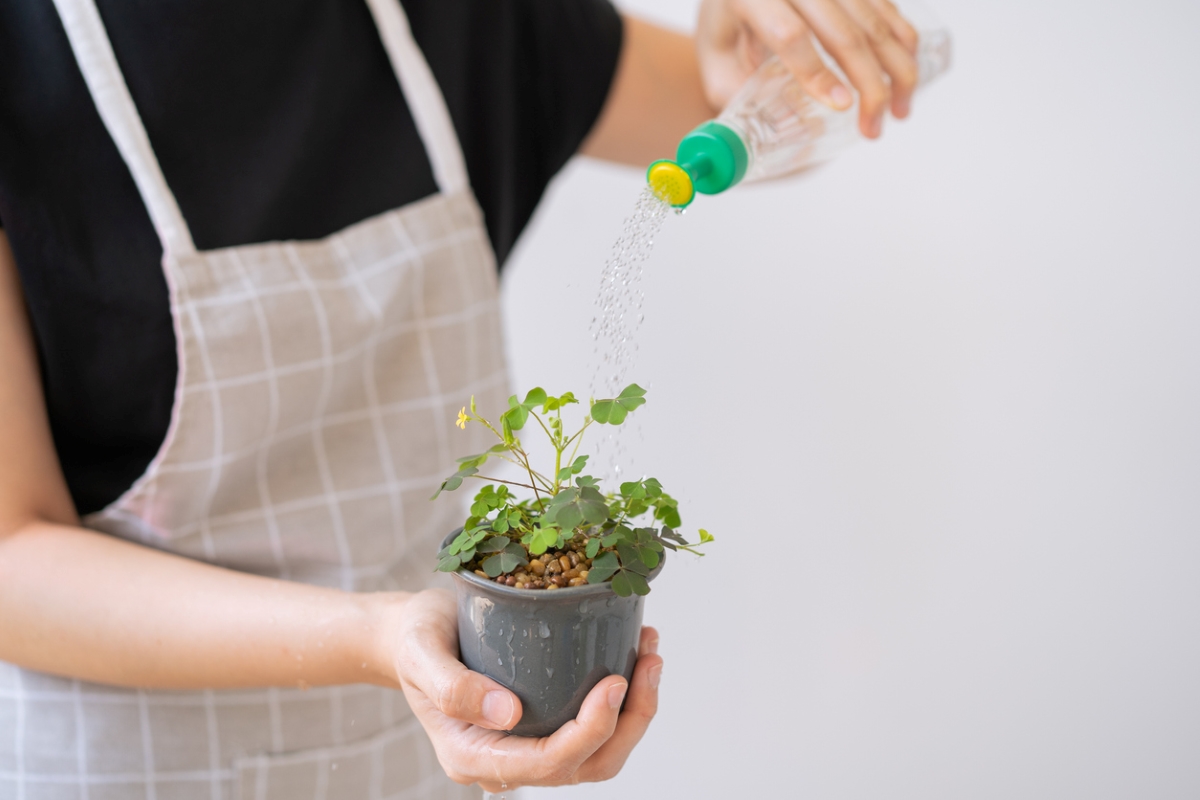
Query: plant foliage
[{"x": 624, "y": 533}]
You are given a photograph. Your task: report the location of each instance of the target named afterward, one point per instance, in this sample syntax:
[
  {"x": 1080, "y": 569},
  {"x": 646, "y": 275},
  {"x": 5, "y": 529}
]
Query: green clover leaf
[
  {"x": 603, "y": 568},
  {"x": 614, "y": 411},
  {"x": 508, "y": 559}
]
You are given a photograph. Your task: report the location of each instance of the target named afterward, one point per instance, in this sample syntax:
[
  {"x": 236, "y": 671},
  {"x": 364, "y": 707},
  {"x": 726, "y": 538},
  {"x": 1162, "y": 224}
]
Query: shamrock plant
[{"x": 566, "y": 531}]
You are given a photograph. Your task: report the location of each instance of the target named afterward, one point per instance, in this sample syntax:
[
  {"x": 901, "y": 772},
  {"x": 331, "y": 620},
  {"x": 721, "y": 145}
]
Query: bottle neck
[
  {"x": 714, "y": 156},
  {"x": 698, "y": 167}
]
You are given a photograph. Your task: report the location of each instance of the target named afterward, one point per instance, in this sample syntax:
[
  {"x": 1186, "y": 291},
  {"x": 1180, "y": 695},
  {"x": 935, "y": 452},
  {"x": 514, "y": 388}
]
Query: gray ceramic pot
[{"x": 549, "y": 648}]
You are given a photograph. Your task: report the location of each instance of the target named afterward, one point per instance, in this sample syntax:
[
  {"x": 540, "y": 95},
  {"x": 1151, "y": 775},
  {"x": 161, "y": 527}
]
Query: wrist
[{"x": 380, "y": 637}]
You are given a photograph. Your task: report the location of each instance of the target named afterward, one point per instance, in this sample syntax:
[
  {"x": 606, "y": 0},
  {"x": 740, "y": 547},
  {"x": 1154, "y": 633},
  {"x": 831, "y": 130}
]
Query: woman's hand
[
  {"x": 874, "y": 46},
  {"x": 466, "y": 714}
]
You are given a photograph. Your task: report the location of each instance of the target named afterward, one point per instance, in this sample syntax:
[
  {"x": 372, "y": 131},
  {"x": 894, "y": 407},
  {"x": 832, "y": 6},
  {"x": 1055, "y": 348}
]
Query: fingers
[
  {"x": 846, "y": 41},
  {"x": 429, "y": 664},
  {"x": 595, "y": 745},
  {"x": 574, "y": 743},
  {"x": 554, "y": 760},
  {"x": 591, "y": 747},
  {"x": 902, "y": 29},
  {"x": 897, "y": 60},
  {"x": 871, "y": 42},
  {"x": 786, "y": 33},
  {"x": 640, "y": 708}
]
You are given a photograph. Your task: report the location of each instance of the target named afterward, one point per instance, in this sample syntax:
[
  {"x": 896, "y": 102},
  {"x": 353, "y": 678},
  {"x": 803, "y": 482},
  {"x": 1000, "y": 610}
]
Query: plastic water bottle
[{"x": 772, "y": 127}]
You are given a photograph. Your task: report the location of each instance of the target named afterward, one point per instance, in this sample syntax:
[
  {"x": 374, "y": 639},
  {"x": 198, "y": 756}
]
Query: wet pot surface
[{"x": 549, "y": 647}]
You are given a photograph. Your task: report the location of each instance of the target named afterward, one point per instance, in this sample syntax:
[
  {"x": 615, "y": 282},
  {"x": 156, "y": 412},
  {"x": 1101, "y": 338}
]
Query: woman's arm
[
  {"x": 656, "y": 97},
  {"x": 78, "y": 603}
]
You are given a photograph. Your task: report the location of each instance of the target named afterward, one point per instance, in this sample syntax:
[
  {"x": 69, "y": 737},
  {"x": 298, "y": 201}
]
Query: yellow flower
[{"x": 462, "y": 418}]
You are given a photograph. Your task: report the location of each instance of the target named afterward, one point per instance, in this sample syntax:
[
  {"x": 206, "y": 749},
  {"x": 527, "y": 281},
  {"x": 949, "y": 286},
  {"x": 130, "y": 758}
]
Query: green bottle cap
[{"x": 714, "y": 155}]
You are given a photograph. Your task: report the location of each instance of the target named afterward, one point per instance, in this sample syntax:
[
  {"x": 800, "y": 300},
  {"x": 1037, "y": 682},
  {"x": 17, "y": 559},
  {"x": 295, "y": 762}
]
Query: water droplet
[{"x": 544, "y": 629}]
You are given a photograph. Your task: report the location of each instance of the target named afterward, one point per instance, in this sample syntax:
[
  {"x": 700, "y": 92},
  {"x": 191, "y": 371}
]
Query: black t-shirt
[{"x": 271, "y": 119}]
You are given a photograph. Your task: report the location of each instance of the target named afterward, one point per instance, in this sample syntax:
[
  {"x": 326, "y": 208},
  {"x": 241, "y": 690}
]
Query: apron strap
[
  {"x": 423, "y": 95},
  {"x": 89, "y": 41}
]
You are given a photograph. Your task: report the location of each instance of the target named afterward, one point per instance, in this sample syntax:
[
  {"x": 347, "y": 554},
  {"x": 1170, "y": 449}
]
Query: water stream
[{"x": 618, "y": 318}]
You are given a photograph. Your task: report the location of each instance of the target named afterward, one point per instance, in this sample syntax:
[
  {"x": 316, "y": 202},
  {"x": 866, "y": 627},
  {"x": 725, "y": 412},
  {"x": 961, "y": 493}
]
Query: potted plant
[{"x": 550, "y": 584}]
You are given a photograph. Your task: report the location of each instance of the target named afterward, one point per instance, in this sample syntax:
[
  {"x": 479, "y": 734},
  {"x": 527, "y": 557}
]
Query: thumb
[{"x": 432, "y": 669}]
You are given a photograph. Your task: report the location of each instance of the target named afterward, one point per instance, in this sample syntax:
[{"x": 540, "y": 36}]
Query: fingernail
[
  {"x": 654, "y": 675},
  {"x": 497, "y": 708},
  {"x": 904, "y": 108},
  {"x": 616, "y": 695},
  {"x": 876, "y": 126},
  {"x": 839, "y": 96},
  {"x": 652, "y": 647}
]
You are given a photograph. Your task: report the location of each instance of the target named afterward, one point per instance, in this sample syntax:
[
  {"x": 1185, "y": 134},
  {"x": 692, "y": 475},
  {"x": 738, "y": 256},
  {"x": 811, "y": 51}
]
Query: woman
[{"x": 247, "y": 274}]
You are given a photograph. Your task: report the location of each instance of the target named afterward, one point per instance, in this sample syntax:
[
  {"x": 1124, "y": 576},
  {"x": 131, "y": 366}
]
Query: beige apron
[{"x": 318, "y": 385}]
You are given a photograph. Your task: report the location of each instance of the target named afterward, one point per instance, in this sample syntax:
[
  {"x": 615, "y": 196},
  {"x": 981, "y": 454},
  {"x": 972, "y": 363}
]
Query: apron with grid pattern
[{"x": 318, "y": 384}]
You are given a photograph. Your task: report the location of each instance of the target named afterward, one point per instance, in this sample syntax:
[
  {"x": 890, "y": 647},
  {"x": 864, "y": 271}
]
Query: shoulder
[{"x": 525, "y": 81}]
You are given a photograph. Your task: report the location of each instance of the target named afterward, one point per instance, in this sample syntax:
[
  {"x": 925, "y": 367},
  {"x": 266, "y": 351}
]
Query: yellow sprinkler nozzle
[{"x": 671, "y": 183}]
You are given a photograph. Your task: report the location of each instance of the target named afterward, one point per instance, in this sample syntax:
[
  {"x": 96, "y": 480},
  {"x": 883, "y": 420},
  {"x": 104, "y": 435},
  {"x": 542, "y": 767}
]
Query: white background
[{"x": 940, "y": 403}]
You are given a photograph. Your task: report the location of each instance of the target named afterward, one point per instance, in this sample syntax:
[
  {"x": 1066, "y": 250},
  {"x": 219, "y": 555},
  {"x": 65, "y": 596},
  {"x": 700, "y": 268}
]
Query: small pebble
[
  {"x": 551, "y": 587},
  {"x": 564, "y": 562}
]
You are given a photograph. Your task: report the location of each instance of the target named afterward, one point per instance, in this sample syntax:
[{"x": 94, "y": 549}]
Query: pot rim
[{"x": 542, "y": 595}]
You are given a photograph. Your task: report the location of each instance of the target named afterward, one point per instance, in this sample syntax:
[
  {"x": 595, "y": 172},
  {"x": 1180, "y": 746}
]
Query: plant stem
[
  {"x": 501, "y": 480},
  {"x": 557, "y": 466},
  {"x": 533, "y": 476},
  {"x": 578, "y": 435},
  {"x": 488, "y": 425},
  {"x": 539, "y": 477},
  {"x": 539, "y": 421}
]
